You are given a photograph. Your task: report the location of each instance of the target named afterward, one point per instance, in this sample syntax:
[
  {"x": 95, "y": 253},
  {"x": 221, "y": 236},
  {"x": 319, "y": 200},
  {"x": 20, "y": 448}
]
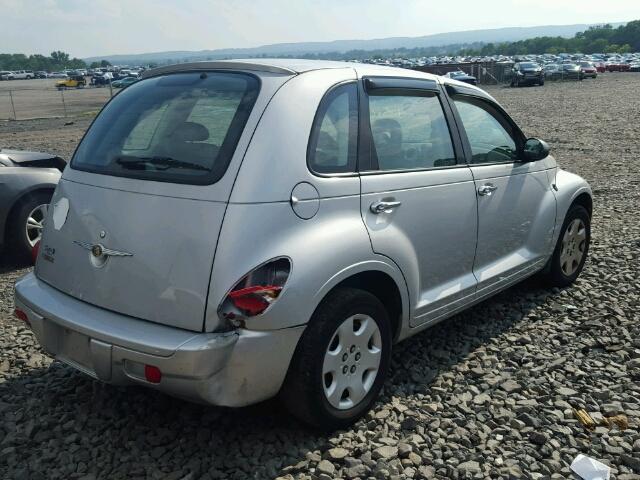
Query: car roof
[
  {"x": 290, "y": 66},
  {"x": 296, "y": 66}
]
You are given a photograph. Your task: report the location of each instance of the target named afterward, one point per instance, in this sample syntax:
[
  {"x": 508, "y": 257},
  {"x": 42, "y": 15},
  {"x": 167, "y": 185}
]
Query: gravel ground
[{"x": 489, "y": 394}]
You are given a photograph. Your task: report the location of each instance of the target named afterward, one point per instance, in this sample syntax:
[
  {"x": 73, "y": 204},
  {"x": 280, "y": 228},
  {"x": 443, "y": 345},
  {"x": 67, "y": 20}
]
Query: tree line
[
  {"x": 56, "y": 61},
  {"x": 600, "y": 39}
]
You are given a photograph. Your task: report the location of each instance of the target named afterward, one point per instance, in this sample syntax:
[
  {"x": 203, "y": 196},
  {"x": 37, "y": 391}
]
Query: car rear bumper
[{"x": 232, "y": 369}]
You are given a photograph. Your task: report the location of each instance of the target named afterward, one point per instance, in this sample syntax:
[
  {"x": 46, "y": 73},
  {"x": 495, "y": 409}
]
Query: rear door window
[
  {"x": 180, "y": 128},
  {"x": 409, "y": 132}
]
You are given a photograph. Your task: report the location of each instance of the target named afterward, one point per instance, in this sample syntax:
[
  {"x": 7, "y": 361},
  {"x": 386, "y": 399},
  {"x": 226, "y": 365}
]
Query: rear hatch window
[{"x": 179, "y": 128}]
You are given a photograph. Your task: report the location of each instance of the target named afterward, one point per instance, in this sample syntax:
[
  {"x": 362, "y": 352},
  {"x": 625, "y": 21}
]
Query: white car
[{"x": 23, "y": 75}]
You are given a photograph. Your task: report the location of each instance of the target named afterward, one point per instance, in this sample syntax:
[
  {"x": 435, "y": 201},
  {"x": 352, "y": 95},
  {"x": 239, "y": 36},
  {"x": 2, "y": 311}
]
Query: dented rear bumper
[{"x": 232, "y": 368}]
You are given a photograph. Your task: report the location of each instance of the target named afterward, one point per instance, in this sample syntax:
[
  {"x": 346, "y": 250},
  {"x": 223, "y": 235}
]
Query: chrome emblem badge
[{"x": 99, "y": 254}]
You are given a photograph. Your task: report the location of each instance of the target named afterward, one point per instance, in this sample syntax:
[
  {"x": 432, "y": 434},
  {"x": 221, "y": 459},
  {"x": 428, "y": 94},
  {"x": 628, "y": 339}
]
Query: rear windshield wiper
[{"x": 161, "y": 163}]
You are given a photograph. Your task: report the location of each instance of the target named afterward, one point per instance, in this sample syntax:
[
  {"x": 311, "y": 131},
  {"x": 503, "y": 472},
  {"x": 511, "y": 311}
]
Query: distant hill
[{"x": 509, "y": 34}]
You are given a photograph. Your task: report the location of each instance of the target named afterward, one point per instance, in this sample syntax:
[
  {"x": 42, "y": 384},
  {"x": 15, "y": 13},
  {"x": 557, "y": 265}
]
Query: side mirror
[{"x": 535, "y": 149}]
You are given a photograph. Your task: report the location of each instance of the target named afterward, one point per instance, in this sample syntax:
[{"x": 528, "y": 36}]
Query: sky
[{"x": 87, "y": 28}]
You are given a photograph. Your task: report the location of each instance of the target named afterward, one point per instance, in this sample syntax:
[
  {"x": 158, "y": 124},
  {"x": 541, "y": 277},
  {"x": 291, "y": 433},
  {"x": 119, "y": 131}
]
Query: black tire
[
  {"x": 16, "y": 235},
  {"x": 303, "y": 391},
  {"x": 542, "y": 83},
  {"x": 553, "y": 275}
]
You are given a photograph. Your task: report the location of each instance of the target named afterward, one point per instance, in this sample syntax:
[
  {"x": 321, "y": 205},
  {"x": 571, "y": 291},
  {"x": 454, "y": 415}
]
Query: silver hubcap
[
  {"x": 35, "y": 224},
  {"x": 352, "y": 361},
  {"x": 574, "y": 243}
]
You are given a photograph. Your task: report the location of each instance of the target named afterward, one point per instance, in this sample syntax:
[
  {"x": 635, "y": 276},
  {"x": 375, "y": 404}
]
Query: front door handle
[
  {"x": 384, "y": 207},
  {"x": 487, "y": 189}
]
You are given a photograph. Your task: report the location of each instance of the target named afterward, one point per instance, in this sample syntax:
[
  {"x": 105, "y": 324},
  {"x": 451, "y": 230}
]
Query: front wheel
[
  {"x": 571, "y": 250},
  {"x": 341, "y": 360}
]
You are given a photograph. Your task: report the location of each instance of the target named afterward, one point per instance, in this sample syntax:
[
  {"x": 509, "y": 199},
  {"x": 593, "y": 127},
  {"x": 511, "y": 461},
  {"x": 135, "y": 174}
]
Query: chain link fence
[
  {"x": 488, "y": 73},
  {"x": 30, "y": 102},
  {"x": 491, "y": 73}
]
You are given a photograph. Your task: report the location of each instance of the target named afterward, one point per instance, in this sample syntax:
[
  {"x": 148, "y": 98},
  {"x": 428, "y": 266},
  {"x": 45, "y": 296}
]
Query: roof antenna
[{"x": 203, "y": 75}]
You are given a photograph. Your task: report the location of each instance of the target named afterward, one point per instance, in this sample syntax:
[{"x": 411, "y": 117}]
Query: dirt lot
[
  {"x": 488, "y": 394},
  {"x": 41, "y": 99}
]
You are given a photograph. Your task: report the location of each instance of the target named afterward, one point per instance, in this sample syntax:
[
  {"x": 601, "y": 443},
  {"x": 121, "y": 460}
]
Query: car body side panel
[
  {"x": 16, "y": 182},
  {"x": 569, "y": 186},
  {"x": 431, "y": 235},
  {"x": 322, "y": 249},
  {"x": 276, "y": 160},
  {"x": 515, "y": 223}
]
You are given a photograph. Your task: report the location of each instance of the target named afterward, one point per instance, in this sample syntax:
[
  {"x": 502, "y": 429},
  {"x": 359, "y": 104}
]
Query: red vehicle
[
  {"x": 618, "y": 67},
  {"x": 600, "y": 67},
  {"x": 588, "y": 69}
]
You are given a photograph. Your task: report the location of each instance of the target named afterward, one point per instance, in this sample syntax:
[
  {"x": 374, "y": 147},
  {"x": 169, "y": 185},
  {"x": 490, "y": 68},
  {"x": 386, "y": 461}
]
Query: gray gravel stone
[
  {"x": 385, "y": 452},
  {"x": 467, "y": 396},
  {"x": 325, "y": 466}
]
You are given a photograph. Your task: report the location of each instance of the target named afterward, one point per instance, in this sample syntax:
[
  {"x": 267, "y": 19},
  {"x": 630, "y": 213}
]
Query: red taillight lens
[
  {"x": 34, "y": 252},
  {"x": 254, "y": 300},
  {"x": 152, "y": 374},
  {"x": 22, "y": 316},
  {"x": 255, "y": 292}
]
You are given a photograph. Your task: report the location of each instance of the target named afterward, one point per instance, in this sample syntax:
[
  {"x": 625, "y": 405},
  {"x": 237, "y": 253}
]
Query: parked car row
[
  {"x": 17, "y": 75},
  {"x": 612, "y": 62},
  {"x": 527, "y": 73}
]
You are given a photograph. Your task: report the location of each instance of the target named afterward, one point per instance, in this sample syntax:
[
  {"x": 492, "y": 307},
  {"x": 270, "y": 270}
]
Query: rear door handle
[
  {"x": 384, "y": 207},
  {"x": 487, "y": 189}
]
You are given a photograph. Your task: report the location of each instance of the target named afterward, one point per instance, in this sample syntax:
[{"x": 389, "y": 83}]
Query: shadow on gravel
[
  {"x": 68, "y": 423},
  {"x": 10, "y": 262}
]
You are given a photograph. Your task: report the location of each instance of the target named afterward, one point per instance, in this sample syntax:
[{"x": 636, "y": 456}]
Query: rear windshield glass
[{"x": 180, "y": 128}]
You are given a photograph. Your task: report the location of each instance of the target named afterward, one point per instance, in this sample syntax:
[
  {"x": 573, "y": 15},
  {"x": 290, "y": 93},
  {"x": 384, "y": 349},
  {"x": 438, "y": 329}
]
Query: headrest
[{"x": 191, "y": 132}]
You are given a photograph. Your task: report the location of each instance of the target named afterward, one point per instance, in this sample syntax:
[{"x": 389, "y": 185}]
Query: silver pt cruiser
[{"x": 230, "y": 231}]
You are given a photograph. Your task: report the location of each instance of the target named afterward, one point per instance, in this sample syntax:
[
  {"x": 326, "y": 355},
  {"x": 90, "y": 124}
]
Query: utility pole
[
  {"x": 13, "y": 107},
  {"x": 64, "y": 105}
]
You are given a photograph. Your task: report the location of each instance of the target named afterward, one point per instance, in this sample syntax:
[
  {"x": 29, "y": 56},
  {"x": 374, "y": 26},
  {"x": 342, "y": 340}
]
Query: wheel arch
[
  {"x": 584, "y": 199},
  {"x": 18, "y": 201},
  {"x": 571, "y": 189},
  {"x": 381, "y": 280}
]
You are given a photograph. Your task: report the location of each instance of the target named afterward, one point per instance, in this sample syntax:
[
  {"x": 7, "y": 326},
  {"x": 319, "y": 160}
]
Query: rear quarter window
[
  {"x": 334, "y": 134},
  {"x": 180, "y": 128}
]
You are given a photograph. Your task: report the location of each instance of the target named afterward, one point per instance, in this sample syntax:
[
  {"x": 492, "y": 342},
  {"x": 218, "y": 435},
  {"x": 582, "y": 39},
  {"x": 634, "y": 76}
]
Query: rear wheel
[
  {"x": 27, "y": 224},
  {"x": 572, "y": 249},
  {"x": 341, "y": 360}
]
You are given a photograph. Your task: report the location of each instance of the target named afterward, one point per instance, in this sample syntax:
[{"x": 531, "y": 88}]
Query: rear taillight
[
  {"x": 256, "y": 292},
  {"x": 254, "y": 300},
  {"x": 35, "y": 251},
  {"x": 20, "y": 314}
]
